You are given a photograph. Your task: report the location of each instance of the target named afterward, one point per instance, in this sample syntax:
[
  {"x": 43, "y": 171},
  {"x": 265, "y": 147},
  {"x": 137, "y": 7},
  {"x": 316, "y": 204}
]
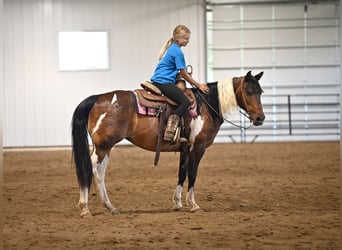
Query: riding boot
[{"x": 171, "y": 127}]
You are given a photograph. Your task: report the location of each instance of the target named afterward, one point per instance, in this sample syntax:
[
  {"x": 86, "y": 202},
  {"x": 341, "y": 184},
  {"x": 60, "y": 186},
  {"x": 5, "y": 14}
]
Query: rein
[{"x": 221, "y": 116}]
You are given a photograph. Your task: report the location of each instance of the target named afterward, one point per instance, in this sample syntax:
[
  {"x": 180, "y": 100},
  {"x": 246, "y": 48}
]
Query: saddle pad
[{"x": 143, "y": 110}]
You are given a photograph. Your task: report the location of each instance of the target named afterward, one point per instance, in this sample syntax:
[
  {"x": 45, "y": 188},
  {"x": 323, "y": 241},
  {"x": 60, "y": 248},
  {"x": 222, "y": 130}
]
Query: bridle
[
  {"x": 219, "y": 114},
  {"x": 189, "y": 69}
]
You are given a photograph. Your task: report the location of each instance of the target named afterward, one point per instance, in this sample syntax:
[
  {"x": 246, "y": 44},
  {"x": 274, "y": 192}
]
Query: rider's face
[{"x": 183, "y": 40}]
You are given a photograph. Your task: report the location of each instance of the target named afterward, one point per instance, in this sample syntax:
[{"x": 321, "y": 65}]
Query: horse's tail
[{"x": 80, "y": 144}]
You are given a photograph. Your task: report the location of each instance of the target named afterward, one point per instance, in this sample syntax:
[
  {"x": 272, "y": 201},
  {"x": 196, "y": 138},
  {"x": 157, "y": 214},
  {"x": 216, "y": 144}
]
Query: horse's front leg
[
  {"x": 99, "y": 170},
  {"x": 190, "y": 195},
  {"x": 195, "y": 157},
  {"x": 182, "y": 173}
]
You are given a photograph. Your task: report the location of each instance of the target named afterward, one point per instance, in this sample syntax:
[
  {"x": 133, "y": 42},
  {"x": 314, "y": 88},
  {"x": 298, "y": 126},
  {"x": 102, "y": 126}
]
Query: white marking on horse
[
  {"x": 196, "y": 126},
  {"x": 190, "y": 200},
  {"x": 99, "y": 170},
  {"x": 83, "y": 197},
  {"x": 114, "y": 98},
  {"x": 177, "y": 198},
  {"x": 98, "y": 123},
  {"x": 83, "y": 201}
]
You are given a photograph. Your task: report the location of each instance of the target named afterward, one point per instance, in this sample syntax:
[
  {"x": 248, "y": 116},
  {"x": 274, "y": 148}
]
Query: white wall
[
  {"x": 1, "y": 89},
  {"x": 39, "y": 100}
]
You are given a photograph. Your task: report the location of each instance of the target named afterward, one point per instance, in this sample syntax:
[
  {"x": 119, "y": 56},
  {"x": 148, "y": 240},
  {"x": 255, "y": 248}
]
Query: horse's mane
[
  {"x": 226, "y": 97},
  {"x": 222, "y": 97}
]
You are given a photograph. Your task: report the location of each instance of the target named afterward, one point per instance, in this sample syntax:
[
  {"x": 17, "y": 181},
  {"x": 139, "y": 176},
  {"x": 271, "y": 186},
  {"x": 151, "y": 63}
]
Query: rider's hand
[{"x": 203, "y": 87}]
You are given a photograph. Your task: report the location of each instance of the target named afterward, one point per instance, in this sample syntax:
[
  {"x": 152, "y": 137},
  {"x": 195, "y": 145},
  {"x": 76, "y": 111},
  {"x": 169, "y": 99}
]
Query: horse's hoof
[
  {"x": 114, "y": 211},
  {"x": 177, "y": 207},
  {"x": 85, "y": 213},
  {"x": 194, "y": 209}
]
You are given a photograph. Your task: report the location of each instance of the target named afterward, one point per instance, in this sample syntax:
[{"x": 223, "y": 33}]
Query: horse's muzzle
[{"x": 258, "y": 119}]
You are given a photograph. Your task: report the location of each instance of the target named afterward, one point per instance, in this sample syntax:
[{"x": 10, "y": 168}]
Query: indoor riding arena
[{"x": 271, "y": 184}]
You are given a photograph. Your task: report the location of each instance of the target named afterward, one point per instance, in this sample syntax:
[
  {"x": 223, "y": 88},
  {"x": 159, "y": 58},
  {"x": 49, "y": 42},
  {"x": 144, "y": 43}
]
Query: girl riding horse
[{"x": 172, "y": 62}]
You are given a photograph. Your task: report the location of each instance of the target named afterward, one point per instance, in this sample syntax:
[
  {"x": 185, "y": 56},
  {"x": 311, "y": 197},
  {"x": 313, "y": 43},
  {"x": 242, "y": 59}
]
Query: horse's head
[{"x": 248, "y": 92}]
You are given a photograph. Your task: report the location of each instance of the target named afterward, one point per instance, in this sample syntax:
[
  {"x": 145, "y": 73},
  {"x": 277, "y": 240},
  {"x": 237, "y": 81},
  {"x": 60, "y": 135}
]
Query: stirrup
[
  {"x": 172, "y": 137},
  {"x": 177, "y": 135},
  {"x": 171, "y": 128},
  {"x": 182, "y": 139}
]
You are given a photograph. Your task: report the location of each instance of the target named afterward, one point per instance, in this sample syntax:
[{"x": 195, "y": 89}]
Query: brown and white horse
[{"x": 111, "y": 117}]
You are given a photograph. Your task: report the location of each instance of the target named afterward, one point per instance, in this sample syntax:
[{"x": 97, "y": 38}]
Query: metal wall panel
[
  {"x": 39, "y": 100},
  {"x": 297, "y": 45}
]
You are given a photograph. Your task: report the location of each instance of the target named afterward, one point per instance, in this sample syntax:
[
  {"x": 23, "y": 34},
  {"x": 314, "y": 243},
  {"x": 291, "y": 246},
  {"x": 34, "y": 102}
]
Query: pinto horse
[{"x": 111, "y": 117}]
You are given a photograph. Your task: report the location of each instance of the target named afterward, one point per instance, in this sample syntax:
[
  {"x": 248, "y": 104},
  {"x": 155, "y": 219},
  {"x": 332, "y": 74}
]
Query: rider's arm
[{"x": 187, "y": 77}]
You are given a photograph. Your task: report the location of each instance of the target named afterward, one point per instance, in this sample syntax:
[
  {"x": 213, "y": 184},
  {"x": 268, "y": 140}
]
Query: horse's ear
[
  {"x": 249, "y": 75},
  {"x": 258, "y": 76}
]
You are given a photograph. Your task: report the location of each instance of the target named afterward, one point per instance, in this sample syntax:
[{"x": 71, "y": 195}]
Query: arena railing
[{"x": 297, "y": 117}]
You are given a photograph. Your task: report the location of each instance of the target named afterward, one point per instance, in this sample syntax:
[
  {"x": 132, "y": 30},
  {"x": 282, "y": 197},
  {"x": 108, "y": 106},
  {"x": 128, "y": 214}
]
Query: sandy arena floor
[{"x": 253, "y": 196}]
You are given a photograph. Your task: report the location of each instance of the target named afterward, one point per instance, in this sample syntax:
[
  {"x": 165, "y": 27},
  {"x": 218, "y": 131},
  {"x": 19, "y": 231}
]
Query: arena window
[{"x": 83, "y": 50}]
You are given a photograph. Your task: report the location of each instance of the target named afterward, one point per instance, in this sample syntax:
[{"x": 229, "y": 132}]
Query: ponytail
[
  {"x": 178, "y": 31},
  {"x": 164, "y": 48}
]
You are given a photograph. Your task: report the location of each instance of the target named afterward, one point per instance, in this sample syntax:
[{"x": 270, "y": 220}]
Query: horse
[{"x": 109, "y": 118}]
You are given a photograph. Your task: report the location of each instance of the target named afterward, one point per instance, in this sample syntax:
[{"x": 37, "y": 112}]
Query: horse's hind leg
[
  {"x": 83, "y": 201},
  {"x": 100, "y": 162}
]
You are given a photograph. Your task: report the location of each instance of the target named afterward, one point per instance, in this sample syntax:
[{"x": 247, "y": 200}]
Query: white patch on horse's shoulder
[
  {"x": 196, "y": 126},
  {"x": 98, "y": 123},
  {"x": 114, "y": 99}
]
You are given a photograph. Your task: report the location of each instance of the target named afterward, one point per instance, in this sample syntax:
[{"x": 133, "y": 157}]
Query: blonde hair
[
  {"x": 227, "y": 98},
  {"x": 179, "y": 31}
]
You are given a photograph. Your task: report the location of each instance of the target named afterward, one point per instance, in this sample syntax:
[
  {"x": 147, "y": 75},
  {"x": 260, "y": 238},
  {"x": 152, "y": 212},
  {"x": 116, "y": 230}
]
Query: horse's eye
[{"x": 249, "y": 93}]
